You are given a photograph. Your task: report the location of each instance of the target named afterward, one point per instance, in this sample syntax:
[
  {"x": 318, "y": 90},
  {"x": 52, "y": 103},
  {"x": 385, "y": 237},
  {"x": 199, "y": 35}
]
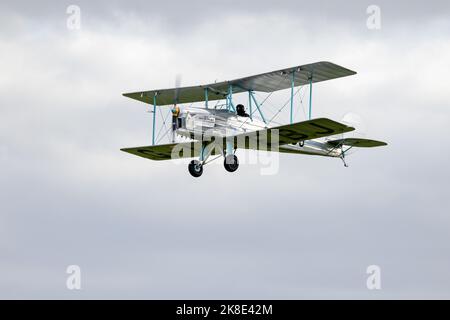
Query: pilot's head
[{"x": 240, "y": 109}]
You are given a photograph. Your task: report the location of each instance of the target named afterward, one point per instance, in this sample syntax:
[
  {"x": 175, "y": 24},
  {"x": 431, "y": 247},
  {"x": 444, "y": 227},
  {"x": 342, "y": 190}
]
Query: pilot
[
  {"x": 240, "y": 110},
  {"x": 175, "y": 114}
]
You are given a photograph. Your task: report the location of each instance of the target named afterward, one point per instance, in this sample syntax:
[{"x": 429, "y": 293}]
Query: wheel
[
  {"x": 301, "y": 143},
  {"x": 231, "y": 163},
  {"x": 195, "y": 168}
]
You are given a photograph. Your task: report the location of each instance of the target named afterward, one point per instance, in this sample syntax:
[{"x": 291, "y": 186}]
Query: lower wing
[
  {"x": 266, "y": 139},
  {"x": 167, "y": 151}
]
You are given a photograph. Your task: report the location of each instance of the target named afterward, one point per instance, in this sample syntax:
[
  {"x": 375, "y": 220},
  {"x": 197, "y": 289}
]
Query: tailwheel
[
  {"x": 231, "y": 163},
  {"x": 195, "y": 168}
]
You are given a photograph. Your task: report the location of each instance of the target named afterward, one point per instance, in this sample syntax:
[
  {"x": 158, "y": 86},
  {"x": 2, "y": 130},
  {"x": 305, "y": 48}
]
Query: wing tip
[{"x": 352, "y": 72}]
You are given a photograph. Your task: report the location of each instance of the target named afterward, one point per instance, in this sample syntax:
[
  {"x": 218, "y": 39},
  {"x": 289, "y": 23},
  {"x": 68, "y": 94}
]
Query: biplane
[{"x": 202, "y": 131}]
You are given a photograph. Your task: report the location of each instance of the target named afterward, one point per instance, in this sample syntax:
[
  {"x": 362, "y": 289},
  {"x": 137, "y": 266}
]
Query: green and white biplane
[{"x": 205, "y": 130}]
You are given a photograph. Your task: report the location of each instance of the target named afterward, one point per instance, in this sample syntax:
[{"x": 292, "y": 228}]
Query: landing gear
[
  {"x": 345, "y": 163},
  {"x": 195, "y": 168},
  {"x": 343, "y": 156},
  {"x": 231, "y": 163}
]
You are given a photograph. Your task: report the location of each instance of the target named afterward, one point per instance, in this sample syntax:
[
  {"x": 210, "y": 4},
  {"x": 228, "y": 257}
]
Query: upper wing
[
  {"x": 357, "y": 142},
  {"x": 265, "y": 82}
]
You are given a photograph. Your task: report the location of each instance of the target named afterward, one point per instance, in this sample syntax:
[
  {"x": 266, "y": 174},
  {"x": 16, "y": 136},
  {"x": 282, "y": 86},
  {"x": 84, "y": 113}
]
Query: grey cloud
[
  {"x": 180, "y": 16},
  {"x": 141, "y": 229}
]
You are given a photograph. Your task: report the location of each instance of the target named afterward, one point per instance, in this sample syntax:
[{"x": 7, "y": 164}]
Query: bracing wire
[
  {"x": 164, "y": 123},
  {"x": 279, "y": 110},
  {"x": 215, "y": 158},
  {"x": 261, "y": 104},
  {"x": 302, "y": 97},
  {"x": 165, "y": 133},
  {"x": 267, "y": 97}
]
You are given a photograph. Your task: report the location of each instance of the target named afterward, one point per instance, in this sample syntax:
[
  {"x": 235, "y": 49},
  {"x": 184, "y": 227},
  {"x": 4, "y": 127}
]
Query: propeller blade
[
  {"x": 176, "y": 109},
  {"x": 177, "y": 88}
]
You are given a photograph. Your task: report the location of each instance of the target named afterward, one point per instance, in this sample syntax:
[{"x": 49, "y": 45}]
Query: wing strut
[
  {"x": 292, "y": 95},
  {"x": 257, "y": 106},
  {"x": 229, "y": 103},
  {"x": 250, "y": 105},
  {"x": 310, "y": 95},
  {"x": 154, "y": 119}
]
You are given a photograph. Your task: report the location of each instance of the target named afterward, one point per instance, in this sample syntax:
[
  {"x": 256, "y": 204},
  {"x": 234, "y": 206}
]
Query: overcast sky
[{"x": 143, "y": 229}]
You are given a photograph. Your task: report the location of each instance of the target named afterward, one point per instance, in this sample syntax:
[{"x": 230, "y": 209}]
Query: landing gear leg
[
  {"x": 196, "y": 166},
  {"x": 231, "y": 162},
  {"x": 343, "y": 158}
]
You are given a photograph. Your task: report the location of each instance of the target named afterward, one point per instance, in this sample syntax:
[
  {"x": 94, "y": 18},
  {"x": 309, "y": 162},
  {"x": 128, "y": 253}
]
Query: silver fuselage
[{"x": 193, "y": 123}]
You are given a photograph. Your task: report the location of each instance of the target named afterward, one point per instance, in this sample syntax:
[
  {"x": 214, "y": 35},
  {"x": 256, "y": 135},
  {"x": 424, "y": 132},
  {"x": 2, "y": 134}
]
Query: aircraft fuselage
[{"x": 200, "y": 123}]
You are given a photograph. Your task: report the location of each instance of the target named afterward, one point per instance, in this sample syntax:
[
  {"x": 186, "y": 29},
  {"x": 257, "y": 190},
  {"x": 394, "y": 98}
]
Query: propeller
[
  {"x": 176, "y": 109},
  {"x": 177, "y": 88}
]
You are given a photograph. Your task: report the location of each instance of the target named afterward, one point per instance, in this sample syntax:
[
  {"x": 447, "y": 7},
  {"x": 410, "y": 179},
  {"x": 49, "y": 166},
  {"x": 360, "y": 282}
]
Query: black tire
[
  {"x": 301, "y": 143},
  {"x": 195, "y": 168},
  {"x": 231, "y": 163}
]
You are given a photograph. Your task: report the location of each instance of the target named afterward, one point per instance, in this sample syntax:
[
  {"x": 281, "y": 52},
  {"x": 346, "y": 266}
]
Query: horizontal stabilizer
[{"x": 357, "y": 142}]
